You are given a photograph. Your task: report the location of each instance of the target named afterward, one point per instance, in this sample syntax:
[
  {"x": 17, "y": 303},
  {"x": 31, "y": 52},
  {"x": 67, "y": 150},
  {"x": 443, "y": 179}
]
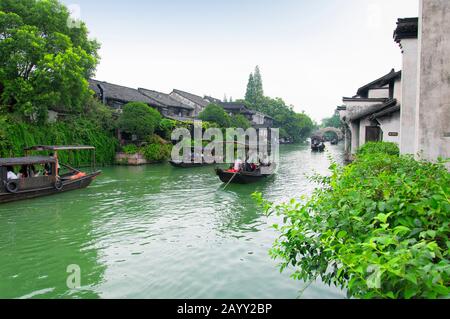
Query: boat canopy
[
  {"x": 30, "y": 160},
  {"x": 59, "y": 148}
]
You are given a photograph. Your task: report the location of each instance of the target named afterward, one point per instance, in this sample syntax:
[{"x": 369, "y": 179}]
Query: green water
[{"x": 155, "y": 232}]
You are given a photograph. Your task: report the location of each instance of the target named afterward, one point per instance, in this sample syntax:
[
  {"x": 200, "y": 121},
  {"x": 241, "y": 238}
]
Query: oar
[
  {"x": 231, "y": 180},
  {"x": 69, "y": 167}
]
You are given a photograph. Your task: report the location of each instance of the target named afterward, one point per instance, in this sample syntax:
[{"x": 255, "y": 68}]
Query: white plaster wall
[
  {"x": 398, "y": 90},
  {"x": 354, "y": 127},
  {"x": 258, "y": 118},
  {"x": 390, "y": 124},
  {"x": 409, "y": 96},
  {"x": 362, "y": 130},
  {"x": 433, "y": 112},
  {"x": 379, "y": 93}
]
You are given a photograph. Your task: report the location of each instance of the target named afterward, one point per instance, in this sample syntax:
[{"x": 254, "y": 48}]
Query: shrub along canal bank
[
  {"x": 378, "y": 228},
  {"x": 156, "y": 232}
]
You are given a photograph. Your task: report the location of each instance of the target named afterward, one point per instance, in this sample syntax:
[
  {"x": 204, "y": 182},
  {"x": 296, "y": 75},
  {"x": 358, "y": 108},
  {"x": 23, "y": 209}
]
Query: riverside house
[
  {"x": 169, "y": 107},
  {"x": 195, "y": 101},
  {"x": 412, "y": 107},
  {"x": 373, "y": 114},
  {"x": 257, "y": 119},
  {"x": 116, "y": 96}
]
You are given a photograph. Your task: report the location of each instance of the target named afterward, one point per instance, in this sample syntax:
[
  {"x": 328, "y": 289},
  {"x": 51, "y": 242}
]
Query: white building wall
[
  {"x": 382, "y": 93},
  {"x": 433, "y": 111},
  {"x": 409, "y": 96},
  {"x": 197, "y": 108},
  {"x": 390, "y": 124},
  {"x": 354, "y": 128},
  {"x": 362, "y": 130}
]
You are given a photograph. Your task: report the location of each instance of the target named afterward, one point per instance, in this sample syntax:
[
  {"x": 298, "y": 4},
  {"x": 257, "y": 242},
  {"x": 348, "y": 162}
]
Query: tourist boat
[
  {"x": 317, "y": 144},
  {"x": 48, "y": 181},
  {"x": 188, "y": 165},
  {"x": 244, "y": 177}
]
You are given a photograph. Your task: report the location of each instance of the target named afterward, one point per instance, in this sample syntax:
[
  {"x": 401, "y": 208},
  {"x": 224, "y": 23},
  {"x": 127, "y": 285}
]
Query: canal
[{"x": 156, "y": 232}]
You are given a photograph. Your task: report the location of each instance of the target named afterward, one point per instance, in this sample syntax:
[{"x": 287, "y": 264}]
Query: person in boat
[
  {"x": 23, "y": 173},
  {"x": 33, "y": 171},
  {"x": 11, "y": 175},
  {"x": 237, "y": 165},
  {"x": 48, "y": 167}
]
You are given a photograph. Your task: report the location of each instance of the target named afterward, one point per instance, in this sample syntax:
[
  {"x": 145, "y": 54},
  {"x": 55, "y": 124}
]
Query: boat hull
[
  {"x": 188, "y": 165},
  {"x": 319, "y": 148},
  {"x": 241, "y": 178},
  {"x": 68, "y": 185}
]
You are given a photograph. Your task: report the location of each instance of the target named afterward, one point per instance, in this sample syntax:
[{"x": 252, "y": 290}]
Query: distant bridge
[{"x": 337, "y": 131}]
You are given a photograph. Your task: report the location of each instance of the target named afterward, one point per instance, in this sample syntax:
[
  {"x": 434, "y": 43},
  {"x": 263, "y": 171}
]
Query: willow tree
[{"x": 46, "y": 59}]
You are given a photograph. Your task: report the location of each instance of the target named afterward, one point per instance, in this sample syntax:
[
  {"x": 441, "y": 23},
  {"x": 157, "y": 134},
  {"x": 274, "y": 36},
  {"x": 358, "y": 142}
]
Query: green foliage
[
  {"x": 139, "y": 119},
  {"x": 216, "y": 114},
  {"x": 74, "y": 131},
  {"x": 334, "y": 121},
  {"x": 379, "y": 147},
  {"x": 130, "y": 149},
  {"x": 240, "y": 121},
  {"x": 45, "y": 64},
  {"x": 157, "y": 152},
  {"x": 255, "y": 92},
  {"x": 166, "y": 127},
  {"x": 378, "y": 228},
  {"x": 100, "y": 114}
]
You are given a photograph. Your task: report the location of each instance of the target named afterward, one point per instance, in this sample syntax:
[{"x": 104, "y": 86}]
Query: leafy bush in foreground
[
  {"x": 379, "y": 147},
  {"x": 378, "y": 228}
]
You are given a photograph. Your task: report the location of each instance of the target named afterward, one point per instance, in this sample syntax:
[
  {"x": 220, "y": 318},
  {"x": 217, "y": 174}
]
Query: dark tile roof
[
  {"x": 164, "y": 99},
  {"x": 212, "y": 99},
  {"x": 385, "y": 79},
  {"x": 376, "y": 109},
  {"x": 192, "y": 97},
  {"x": 234, "y": 106},
  {"x": 387, "y": 111},
  {"x": 119, "y": 93},
  {"x": 407, "y": 28}
]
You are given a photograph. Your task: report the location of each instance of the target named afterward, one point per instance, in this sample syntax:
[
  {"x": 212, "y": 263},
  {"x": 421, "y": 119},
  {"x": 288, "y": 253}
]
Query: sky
[{"x": 311, "y": 53}]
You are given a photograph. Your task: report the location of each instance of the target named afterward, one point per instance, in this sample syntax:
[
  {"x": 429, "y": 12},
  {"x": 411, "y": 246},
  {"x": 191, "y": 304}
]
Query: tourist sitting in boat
[
  {"x": 11, "y": 174},
  {"x": 34, "y": 172},
  {"x": 23, "y": 173}
]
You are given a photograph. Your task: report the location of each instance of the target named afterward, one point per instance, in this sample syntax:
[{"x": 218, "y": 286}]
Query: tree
[
  {"x": 334, "y": 121},
  {"x": 240, "y": 121},
  {"x": 250, "y": 95},
  {"x": 45, "y": 63},
  {"x": 216, "y": 114},
  {"x": 259, "y": 92},
  {"x": 255, "y": 90},
  {"x": 139, "y": 119}
]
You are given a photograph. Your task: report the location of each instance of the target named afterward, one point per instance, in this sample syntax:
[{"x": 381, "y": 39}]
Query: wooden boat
[
  {"x": 188, "y": 165},
  {"x": 244, "y": 177},
  {"x": 47, "y": 182},
  {"x": 317, "y": 144}
]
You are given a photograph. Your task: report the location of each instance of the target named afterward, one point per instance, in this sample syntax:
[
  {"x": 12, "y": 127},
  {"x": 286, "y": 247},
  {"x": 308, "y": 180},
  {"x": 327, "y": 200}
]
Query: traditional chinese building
[
  {"x": 373, "y": 114},
  {"x": 168, "y": 106}
]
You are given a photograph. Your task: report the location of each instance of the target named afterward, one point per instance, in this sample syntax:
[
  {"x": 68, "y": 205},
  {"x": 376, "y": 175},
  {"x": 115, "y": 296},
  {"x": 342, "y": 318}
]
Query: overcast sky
[{"x": 311, "y": 53}]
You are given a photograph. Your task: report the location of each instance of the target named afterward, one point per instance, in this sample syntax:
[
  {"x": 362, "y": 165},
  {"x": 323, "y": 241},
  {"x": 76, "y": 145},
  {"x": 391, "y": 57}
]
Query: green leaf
[{"x": 342, "y": 234}]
